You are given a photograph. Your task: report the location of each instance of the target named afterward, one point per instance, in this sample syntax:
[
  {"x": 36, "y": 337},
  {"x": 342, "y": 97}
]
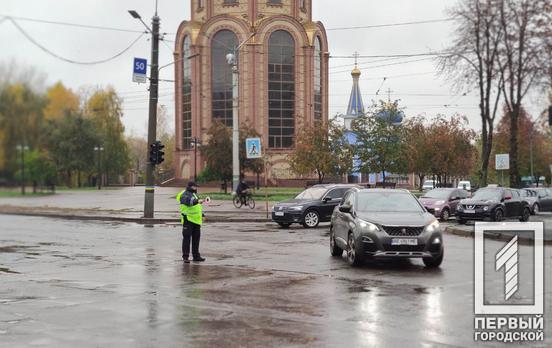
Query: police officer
[{"x": 191, "y": 216}]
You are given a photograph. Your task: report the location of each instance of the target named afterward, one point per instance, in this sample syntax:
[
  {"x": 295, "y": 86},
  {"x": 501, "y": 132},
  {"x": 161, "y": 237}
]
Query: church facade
[{"x": 283, "y": 75}]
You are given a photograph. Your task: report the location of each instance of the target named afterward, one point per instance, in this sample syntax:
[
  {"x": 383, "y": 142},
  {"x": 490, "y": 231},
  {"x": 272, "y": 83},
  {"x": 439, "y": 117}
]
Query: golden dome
[{"x": 355, "y": 72}]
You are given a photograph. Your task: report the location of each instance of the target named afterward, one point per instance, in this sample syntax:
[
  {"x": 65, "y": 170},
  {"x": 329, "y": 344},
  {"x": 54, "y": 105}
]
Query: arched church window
[
  {"x": 281, "y": 89},
  {"x": 223, "y": 43},
  {"x": 317, "y": 79},
  {"x": 186, "y": 94}
]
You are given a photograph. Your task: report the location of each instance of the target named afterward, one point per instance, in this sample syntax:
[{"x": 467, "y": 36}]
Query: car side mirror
[
  {"x": 326, "y": 199},
  {"x": 507, "y": 198},
  {"x": 345, "y": 209},
  {"x": 453, "y": 199}
]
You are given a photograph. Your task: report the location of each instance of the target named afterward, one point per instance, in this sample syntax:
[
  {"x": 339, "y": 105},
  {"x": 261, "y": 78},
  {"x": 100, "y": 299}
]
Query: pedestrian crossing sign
[{"x": 253, "y": 147}]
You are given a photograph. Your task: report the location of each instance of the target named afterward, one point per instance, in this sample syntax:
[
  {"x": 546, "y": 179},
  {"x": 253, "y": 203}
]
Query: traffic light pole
[{"x": 152, "y": 121}]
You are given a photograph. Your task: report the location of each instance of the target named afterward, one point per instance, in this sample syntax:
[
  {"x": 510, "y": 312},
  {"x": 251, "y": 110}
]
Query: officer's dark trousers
[{"x": 190, "y": 231}]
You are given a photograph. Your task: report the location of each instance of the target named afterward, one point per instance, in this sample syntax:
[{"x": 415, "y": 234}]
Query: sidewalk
[{"x": 124, "y": 204}]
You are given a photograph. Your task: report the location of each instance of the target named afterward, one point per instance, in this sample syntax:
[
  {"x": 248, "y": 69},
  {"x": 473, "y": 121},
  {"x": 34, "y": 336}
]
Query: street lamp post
[
  {"x": 232, "y": 60},
  {"x": 99, "y": 150},
  {"x": 195, "y": 142},
  {"x": 22, "y": 149},
  {"x": 152, "y": 120}
]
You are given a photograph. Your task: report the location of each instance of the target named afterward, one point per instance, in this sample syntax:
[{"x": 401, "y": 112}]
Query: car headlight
[
  {"x": 485, "y": 208},
  {"x": 369, "y": 226},
  {"x": 434, "y": 226},
  {"x": 296, "y": 208},
  {"x": 440, "y": 202}
]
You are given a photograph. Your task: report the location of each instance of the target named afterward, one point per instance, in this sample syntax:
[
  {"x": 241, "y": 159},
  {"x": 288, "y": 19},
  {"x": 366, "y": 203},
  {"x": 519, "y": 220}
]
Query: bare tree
[
  {"x": 524, "y": 59},
  {"x": 472, "y": 61}
]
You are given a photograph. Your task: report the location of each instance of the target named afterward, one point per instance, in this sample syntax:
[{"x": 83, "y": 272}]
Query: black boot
[{"x": 198, "y": 258}]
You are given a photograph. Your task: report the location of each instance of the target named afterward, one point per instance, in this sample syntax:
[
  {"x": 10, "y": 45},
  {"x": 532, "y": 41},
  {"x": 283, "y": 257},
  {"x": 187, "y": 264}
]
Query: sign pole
[{"x": 266, "y": 184}]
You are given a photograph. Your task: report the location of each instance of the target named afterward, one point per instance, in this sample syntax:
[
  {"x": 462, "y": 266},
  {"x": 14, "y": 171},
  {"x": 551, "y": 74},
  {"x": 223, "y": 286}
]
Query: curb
[
  {"x": 491, "y": 235},
  {"x": 143, "y": 221}
]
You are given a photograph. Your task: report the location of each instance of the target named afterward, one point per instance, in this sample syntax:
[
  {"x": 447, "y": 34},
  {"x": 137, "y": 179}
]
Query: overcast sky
[{"x": 421, "y": 91}]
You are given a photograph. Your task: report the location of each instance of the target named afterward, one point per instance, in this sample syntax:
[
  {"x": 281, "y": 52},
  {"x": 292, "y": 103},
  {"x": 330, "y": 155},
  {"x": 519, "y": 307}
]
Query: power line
[
  {"x": 87, "y": 26},
  {"x": 43, "y": 48},
  {"x": 391, "y": 24}
]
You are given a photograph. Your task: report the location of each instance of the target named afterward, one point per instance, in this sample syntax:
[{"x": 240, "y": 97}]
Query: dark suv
[
  {"x": 385, "y": 223},
  {"x": 493, "y": 203},
  {"x": 311, "y": 206}
]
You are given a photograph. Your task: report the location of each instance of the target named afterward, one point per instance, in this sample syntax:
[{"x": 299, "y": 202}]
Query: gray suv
[{"x": 385, "y": 223}]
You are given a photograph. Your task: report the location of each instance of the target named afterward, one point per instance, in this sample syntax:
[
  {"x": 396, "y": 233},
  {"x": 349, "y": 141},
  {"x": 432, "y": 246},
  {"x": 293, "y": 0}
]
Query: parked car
[
  {"x": 464, "y": 185},
  {"x": 442, "y": 202},
  {"x": 385, "y": 223},
  {"x": 532, "y": 198},
  {"x": 544, "y": 196},
  {"x": 493, "y": 203},
  {"x": 428, "y": 185},
  {"x": 311, "y": 206}
]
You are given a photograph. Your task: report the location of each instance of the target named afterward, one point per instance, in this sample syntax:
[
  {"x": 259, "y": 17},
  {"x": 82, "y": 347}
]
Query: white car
[
  {"x": 464, "y": 185},
  {"x": 428, "y": 185}
]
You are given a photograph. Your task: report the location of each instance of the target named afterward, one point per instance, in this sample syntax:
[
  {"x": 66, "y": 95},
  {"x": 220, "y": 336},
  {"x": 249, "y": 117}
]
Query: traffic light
[
  {"x": 153, "y": 152},
  {"x": 156, "y": 154},
  {"x": 160, "y": 153}
]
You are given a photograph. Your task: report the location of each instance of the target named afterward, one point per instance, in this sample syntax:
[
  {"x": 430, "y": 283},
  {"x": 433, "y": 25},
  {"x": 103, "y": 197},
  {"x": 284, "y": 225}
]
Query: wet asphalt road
[{"x": 69, "y": 283}]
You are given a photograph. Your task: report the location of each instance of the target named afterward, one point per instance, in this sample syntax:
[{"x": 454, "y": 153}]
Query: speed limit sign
[{"x": 139, "y": 70}]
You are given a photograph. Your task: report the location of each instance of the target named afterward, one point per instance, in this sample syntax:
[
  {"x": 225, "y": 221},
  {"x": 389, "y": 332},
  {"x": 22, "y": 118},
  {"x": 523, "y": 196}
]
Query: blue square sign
[
  {"x": 139, "y": 69},
  {"x": 253, "y": 147}
]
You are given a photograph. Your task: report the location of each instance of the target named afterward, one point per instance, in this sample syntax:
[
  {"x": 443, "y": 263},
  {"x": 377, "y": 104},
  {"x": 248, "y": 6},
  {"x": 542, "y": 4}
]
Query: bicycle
[{"x": 239, "y": 202}]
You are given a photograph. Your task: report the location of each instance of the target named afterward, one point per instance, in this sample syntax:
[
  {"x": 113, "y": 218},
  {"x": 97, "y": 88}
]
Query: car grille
[
  {"x": 472, "y": 206},
  {"x": 403, "y": 231},
  {"x": 404, "y": 247}
]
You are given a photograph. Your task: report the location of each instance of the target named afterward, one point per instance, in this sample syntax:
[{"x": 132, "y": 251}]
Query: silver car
[{"x": 385, "y": 223}]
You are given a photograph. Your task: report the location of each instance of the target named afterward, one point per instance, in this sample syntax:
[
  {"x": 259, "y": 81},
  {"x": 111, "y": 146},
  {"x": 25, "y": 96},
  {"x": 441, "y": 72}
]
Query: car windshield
[
  {"x": 485, "y": 195},
  {"x": 388, "y": 202},
  {"x": 437, "y": 193},
  {"x": 312, "y": 193},
  {"x": 428, "y": 183}
]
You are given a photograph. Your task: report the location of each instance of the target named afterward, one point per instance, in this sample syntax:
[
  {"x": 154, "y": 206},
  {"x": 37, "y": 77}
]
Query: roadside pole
[
  {"x": 266, "y": 183},
  {"x": 152, "y": 120}
]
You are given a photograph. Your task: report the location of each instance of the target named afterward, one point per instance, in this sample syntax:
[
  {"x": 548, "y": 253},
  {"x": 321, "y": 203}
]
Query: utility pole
[
  {"x": 22, "y": 148},
  {"x": 152, "y": 120}
]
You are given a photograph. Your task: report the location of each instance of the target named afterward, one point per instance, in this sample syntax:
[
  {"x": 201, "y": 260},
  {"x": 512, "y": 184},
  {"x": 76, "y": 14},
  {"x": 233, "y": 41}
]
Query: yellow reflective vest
[{"x": 192, "y": 213}]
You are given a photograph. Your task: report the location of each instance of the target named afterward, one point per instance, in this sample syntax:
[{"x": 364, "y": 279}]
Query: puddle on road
[
  {"x": 15, "y": 248},
  {"x": 7, "y": 270}
]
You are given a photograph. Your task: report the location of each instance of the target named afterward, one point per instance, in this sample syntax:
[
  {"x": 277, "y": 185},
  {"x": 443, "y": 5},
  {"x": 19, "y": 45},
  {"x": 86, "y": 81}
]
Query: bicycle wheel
[
  {"x": 237, "y": 202},
  {"x": 250, "y": 202}
]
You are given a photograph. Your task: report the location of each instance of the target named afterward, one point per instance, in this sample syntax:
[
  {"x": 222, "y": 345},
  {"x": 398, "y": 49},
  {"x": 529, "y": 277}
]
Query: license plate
[
  {"x": 469, "y": 211},
  {"x": 404, "y": 241},
  {"x": 279, "y": 213}
]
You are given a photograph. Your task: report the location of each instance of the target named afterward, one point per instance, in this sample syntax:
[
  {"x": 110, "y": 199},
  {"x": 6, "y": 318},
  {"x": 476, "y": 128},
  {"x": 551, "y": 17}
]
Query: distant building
[{"x": 283, "y": 75}]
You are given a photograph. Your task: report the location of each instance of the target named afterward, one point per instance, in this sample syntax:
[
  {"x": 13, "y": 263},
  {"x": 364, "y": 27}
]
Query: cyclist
[{"x": 243, "y": 191}]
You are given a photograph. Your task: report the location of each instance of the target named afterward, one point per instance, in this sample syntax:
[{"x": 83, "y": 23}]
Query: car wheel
[
  {"x": 352, "y": 256},
  {"x": 498, "y": 215},
  {"x": 445, "y": 215},
  {"x": 434, "y": 262},
  {"x": 525, "y": 215},
  {"x": 461, "y": 221},
  {"x": 311, "y": 219},
  {"x": 283, "y": 225},
  {"x": 335, "y": 250},
  {"x": 535, "y": 209}
]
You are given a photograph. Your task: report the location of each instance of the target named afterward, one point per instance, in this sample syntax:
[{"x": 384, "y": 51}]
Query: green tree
[
  {"x": 380, "y": 143},
  {"x": 39, "y": 169},
  {"x": 322, "y": 150},
  {"x": 255, "y": 165},
  {"x": 418, "y": 147},
  {"x": 71, "y": 141},
  {"x": 21, "y": 122},
  {"x": 104, "y": 109},
  {"x": 218, "y": 152}
]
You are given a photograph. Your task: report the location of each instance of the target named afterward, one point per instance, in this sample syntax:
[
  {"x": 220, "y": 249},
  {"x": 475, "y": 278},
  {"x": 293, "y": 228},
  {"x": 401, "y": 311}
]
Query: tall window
[
  {"x": 317, "y": 79},
  {"x": 223, "y": 43},
  {"x": 186, "y": 94},
  {"x": 281, "y": 89}
]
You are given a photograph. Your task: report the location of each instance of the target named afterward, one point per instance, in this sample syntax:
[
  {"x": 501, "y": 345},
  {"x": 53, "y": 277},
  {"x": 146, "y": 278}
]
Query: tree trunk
[
  {"x": 225, "y": 186},
  {"x": 68, "y": 180},
  {"x": 514, "y": 175},
  {"x": 421, "y": 176}
]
